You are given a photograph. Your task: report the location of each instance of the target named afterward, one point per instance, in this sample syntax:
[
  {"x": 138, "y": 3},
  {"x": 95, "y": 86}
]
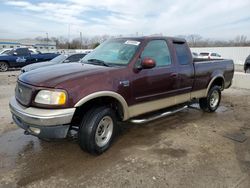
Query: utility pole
[
  {"x": 80, "y": 40},
  {"x": 69, "y": 37},
  {"x": 47, "y": 35}
]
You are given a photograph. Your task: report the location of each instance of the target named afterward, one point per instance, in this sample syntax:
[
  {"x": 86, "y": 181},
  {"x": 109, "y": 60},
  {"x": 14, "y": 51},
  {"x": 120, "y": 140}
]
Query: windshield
[
  {"x": 59, "y": 59},
  {"x": 113, "y": 52},
  {"x": 4, "y": 51},
  {"x": 204, "y": 54}
]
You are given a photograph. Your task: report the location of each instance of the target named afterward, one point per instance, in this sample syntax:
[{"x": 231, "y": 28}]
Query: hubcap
[
  {"x": 104, "y": 131},
  {"x": 3, "y": 67},
  {"x": 214, "y": 100}
]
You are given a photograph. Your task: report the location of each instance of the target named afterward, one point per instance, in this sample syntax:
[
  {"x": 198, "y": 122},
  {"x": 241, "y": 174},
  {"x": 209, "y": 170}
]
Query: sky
[{"x": 215, "y": 19}]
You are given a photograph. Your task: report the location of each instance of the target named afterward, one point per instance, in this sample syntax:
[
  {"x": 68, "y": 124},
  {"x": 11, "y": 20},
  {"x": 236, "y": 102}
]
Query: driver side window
[{"x": 158, "y": 51}]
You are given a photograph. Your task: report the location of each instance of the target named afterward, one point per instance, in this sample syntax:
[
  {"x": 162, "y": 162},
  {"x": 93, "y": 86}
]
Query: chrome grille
[{"x": 23, "y": 93}]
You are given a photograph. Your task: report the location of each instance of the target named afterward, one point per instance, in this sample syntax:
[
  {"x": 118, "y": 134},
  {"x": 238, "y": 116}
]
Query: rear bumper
[{"x": 43, "y": 123}]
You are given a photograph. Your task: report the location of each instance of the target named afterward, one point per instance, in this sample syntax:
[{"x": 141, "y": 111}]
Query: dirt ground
[{"x": 187, "y": 149}]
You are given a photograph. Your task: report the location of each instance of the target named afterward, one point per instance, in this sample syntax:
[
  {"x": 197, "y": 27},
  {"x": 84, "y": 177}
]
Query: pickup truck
[
  {"x": 20, "y": 57},
  {"x": 123, "y": 79}
]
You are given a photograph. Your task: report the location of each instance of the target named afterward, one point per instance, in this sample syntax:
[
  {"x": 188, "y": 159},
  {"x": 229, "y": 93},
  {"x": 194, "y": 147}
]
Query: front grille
[{"x": 23, "y": 93}]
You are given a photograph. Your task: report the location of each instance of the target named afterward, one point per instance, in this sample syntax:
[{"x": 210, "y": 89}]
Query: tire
[
  {"x": 212, "y": 101},
  {"x": 94, "y": 135},
  {"x": 4, "y": 66}
]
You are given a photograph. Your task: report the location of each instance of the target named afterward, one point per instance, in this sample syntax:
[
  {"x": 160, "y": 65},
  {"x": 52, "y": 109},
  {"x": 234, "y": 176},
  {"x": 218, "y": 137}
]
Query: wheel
[
  {"x": 97, "y": 130},
  {"x": 3, "y": 66},
  {"x": 248, "y": 70},
  {"x": 212, "y": 101}
]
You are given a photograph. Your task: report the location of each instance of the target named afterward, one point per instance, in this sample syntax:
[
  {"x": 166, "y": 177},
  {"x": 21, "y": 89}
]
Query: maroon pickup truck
[{"x": 124, "y": 79}]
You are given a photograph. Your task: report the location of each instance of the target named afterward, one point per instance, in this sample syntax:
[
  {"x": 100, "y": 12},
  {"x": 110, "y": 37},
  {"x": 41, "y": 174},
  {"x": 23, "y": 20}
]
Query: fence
[{"x": 238, "y": 54}]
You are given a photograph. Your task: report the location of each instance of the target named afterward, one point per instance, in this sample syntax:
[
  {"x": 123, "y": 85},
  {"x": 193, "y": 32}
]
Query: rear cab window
[
  {"x": 182, "y": 53},
  {"x": 22, "y": 51}
]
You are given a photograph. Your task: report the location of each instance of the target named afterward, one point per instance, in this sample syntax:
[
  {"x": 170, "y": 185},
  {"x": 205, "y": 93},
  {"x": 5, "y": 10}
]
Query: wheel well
[
  {"x": 6, "y": 62},
  {"x": 247, "y": 65},
  {"x": 218, "y": 82},
  {"x": 99, "y": 101}
]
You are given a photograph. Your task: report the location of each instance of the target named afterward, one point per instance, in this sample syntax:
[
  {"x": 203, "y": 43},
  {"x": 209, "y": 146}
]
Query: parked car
[
  {"x": 63, "y": 58},
  {"x": 20, "y": 57},
  {"x": 7, "y": 50},
  {"x": 210, "y": 55},
  {"x": 247, "y": 65},
  {"x": 123, "y": 79},
  {"x": 195, "y": 55}
]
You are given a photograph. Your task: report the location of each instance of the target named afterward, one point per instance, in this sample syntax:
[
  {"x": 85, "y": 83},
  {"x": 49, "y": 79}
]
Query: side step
[{"x": 157, "y": 116}]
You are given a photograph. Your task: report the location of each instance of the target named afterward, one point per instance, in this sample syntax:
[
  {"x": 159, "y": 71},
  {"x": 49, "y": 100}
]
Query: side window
[
  {"x": 21, "y": 51},
  {"x": 75, "y": 58},
  {"x": 157, "y": 50},
  {"x": 213, "y": 54},
  {"x": 182, "y": 53}
]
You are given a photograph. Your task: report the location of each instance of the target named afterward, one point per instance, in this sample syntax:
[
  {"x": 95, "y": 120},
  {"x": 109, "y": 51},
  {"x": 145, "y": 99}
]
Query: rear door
[
  {"x": 185, "y": 67},
  {"x": 158, "y": 82}
]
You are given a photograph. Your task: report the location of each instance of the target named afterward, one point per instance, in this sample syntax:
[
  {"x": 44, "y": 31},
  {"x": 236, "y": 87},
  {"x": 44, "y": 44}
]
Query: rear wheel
[
  {"x": 248, "y": 70},
  {"x": 212, "y": 101},
  {"x": 3, "y": 66},
  {"x": 97, "y": 130}
]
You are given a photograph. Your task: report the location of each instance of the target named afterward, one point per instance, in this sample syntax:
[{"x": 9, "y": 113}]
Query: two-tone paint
[{"x": 137, "y": 91}]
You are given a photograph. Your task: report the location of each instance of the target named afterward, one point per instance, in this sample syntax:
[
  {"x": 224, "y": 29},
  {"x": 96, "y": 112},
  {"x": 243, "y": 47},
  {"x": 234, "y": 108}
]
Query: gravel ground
[{"x": 187, "y": 149}]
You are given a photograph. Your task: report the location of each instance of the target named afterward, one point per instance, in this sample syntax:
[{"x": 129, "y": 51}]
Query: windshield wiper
[{"x": 98, "y": 62}]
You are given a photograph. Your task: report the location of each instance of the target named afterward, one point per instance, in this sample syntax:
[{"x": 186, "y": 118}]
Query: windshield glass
[
  {"x": 113, "y": 52},
  {"x": 59, "y": 58},
  {"x": 204, "y": 54}
]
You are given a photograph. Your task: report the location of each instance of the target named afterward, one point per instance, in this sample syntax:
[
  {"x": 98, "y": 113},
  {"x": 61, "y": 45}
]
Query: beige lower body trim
[{"x": 142, "y": 108}]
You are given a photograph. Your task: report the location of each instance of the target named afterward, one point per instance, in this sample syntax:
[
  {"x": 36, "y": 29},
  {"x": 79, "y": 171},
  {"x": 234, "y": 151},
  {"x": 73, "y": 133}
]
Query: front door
[{"x": 158, "y": 82}]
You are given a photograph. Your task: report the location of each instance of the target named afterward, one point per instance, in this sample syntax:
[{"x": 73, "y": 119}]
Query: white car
[
  {"x": 7, "y": 50},
  {"x": 210, "y": 55}
]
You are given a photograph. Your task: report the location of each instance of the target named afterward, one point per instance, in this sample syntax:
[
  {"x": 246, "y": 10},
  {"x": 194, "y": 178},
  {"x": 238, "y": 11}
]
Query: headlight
[{"x": 51, "y": 97}]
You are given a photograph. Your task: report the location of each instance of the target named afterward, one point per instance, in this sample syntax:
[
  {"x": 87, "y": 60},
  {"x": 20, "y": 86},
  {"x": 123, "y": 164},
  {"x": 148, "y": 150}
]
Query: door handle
[{"x": 174, "y": 75}]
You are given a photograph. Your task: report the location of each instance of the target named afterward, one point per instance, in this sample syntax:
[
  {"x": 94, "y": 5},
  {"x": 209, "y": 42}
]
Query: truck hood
[{"x": 54, "y": 75}]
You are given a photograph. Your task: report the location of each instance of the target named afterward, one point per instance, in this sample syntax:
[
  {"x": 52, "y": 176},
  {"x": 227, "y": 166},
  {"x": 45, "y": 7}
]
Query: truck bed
[{"x": 206, "y": 70}]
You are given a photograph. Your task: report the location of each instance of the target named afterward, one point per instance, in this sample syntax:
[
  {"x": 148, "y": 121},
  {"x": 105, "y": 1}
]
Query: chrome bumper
[{"x": 46, "y": 123}]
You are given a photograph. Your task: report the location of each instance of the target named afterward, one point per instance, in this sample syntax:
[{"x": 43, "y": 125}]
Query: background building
[{"x": 39, "y": 45}]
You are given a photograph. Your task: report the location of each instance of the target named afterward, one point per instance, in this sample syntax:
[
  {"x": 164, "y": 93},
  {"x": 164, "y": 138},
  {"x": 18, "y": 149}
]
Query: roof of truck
[{"x": 176, "y": 39}]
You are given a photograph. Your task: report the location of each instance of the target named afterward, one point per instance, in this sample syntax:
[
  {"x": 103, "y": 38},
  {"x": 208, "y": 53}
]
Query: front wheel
[
  {"x": 3, "y": 66},
  {"x": 97, "y": 130},
  {"x": 212, "y": 101}
]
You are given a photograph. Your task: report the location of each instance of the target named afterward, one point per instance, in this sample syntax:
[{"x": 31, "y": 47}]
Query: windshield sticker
[{"x": 132, "y": 42}]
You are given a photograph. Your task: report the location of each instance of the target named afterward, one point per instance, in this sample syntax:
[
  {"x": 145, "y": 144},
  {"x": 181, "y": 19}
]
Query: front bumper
[{"x": 43, "y": 123}]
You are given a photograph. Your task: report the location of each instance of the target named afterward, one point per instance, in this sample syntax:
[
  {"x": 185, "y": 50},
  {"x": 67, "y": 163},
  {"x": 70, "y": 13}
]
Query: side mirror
[
  {"x": 148, "y": 63},
  {"x": 66, "y": 61},
  {"x": 15, "y": 54}
]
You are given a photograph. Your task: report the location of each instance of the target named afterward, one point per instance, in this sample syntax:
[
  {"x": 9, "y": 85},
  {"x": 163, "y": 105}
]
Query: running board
[{"x": 154, "y": 117}]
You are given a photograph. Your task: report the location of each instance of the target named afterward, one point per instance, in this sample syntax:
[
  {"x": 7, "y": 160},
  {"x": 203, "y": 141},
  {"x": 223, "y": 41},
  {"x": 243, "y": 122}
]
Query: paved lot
[{"x": 187, "y": 149}]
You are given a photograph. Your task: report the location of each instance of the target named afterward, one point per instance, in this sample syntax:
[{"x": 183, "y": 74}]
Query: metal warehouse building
[{"x": 39, "y": 45}]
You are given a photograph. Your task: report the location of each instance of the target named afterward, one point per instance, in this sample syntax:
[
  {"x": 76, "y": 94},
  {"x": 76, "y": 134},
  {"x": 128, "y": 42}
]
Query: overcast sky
[{"x": 220, "y": 19}]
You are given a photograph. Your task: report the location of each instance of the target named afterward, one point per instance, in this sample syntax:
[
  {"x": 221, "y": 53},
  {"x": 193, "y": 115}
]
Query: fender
[
  {"x": 212, "y": 80},
  {"x": 112, "y": 94}
]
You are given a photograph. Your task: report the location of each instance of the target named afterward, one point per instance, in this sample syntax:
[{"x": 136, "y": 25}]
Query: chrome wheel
[
  {"x": 104, "y": 131},
  {"x": 214, "y": 99},
  {"x": 3, "y": 66}
]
